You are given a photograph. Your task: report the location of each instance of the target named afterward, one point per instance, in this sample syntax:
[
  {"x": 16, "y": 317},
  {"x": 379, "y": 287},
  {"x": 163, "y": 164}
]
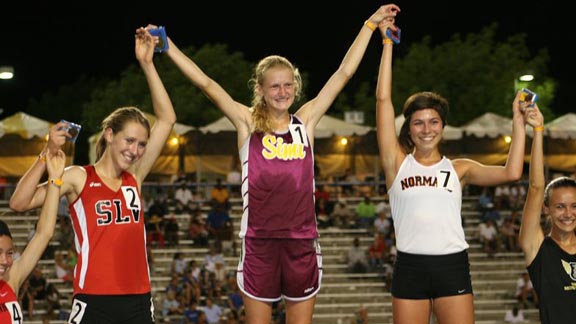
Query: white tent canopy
[
  {"x": 25, "y": 125},
  {"x": 22, "y": 138},
  {"x": 489, "y": 124},
  {"x": 327, "y": 127},
  {"x": 450, "y": 132},
  {"x": 563, "y": 127}
]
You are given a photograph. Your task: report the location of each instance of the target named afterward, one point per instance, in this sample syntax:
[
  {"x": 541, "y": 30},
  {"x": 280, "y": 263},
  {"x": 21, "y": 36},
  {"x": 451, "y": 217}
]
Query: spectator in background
[
  {"x": 220, "y": 195},
  {"x": 492, "y": 213},
  {"x": 488, "y": 235},
  {"x": 484, "y": 200},
  {"x": 178, "y": 264},
  {"x": 502, "y": 197},
  {"x": 66, "y": 235},
  {"x": 63, "y": 270},
  {"x": 342, "y": 215},
  {"x": 509, "y": 233},
  {"x": 213, "y": 256},
  {"x": 171, "y": 306},
  {"x": 517, "y": 196},
  {"x": 234, "y": 301},
  {"x": 349, "y": 180},
  {"x": 171, "y": 230},
  {"x": 192, "y": 313},
  {"x": 321, "y": 192},
  {"x": 219, "y": 223},
  {"x": 183, "y": 194},
  {"x": 37, "y": 287},
  {"x": 212, "y": 311},
  {"x": 383, "y": 222},
  {"x": 158, "y": 207},
  {"x": 323, "y": 212},
  {"x": 525, "y": 291},
  {"x": 53, "y": 297},
  {"x": 514, "y": 315},
  {"x": 366, "y": 213},
  {"x": 377, "y": 253},
  {"x": 197, "y": 231},
  {"x": 357, "y": 258},
  {"x": 155, "y": 230}
]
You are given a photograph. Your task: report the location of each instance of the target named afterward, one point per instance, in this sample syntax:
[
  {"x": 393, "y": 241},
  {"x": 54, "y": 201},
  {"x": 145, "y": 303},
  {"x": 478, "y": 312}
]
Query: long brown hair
[{"x": 419, "y": 101}]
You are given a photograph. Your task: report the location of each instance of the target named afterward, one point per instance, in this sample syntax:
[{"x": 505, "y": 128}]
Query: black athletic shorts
[
  {"x": 418, "y": 276},
  {"x": 112, "y": 309}
]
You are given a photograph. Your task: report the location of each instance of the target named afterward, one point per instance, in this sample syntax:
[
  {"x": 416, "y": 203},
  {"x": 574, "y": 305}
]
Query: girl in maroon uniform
[{"x": 278, "y": 225}]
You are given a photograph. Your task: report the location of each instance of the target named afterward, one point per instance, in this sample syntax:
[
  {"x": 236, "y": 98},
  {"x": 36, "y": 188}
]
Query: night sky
[{"x": 50, "y": 45}]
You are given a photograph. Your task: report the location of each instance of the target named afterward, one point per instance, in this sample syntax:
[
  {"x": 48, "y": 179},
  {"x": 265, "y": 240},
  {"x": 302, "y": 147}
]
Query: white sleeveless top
[{"x": 426, "y": 204}]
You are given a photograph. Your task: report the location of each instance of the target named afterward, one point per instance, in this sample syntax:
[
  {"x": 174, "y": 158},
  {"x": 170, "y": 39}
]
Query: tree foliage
[
  {"x": 475, "y": 73},
  {"x": 191, "y": 105}
]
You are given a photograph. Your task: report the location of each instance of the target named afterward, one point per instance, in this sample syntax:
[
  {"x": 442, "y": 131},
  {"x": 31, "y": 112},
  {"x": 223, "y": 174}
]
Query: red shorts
[{"x": 272, "y": 269}]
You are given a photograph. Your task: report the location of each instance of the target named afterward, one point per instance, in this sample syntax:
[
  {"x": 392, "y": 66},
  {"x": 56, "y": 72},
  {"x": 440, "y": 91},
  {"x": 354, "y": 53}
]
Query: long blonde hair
[
  {"x": 259, "y": 112},
  {"x": 116, "y": 121}
]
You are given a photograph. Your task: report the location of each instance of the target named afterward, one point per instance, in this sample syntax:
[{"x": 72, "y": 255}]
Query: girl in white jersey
[
  {"x": 280, "y": 258},
  {"x": 111, "y": 279},
  {"x": 431, "y": 272}
]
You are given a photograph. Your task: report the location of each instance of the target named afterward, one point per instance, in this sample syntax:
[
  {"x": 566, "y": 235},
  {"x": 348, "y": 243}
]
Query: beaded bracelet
[
  {"x": 387, "y": 41},
  {"x": 370, "y": 25},
  {"x": 57, "y": 182},
  {"x": 538, "y": 128}
]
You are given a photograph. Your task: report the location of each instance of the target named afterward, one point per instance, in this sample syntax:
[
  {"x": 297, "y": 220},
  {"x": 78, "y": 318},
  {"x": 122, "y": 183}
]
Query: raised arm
[
  {"x": 391, "y": 154},
  {"x": 531, "y": 233},
  {"x": 238, "y": 113},
  {"x": 22, "y": 267},
  {"x": 312, "y": 111},
  {"x": 29, "y": 194},
  {"x": 163, "y": 109},
  {"x": 472, "y": 172}
]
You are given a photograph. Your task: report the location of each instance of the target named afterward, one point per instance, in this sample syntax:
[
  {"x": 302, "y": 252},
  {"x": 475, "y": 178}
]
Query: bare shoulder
[
  {"x": 74, "y": 178},
  {"x": 75, "y": 171},
  {"x": 463, "y": 165}
]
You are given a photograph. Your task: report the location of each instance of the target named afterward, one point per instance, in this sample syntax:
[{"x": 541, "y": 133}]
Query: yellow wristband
[
  {"x": 57, "y": 182},
  {"x": 538, "y": 128},
  {"x": 387, "y": 41},
  {"x": 42, "y": 157},
  {"x": 370, "y": 25}
]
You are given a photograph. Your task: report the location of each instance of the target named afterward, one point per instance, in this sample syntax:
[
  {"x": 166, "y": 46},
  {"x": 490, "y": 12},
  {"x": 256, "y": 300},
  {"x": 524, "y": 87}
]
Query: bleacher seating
[{"x": 342, "y": 293}]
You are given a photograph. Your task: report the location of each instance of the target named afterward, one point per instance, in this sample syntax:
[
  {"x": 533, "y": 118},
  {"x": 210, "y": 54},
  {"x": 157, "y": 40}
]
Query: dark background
[{"x": 50, "y": 45}]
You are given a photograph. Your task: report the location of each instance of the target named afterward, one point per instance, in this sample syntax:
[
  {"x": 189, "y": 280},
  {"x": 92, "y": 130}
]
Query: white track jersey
[{"x": 426, "y": 204}]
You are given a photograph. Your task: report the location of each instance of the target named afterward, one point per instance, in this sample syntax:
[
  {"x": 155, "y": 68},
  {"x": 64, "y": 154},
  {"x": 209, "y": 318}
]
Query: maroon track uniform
[{"x": 279, "y": 222}]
